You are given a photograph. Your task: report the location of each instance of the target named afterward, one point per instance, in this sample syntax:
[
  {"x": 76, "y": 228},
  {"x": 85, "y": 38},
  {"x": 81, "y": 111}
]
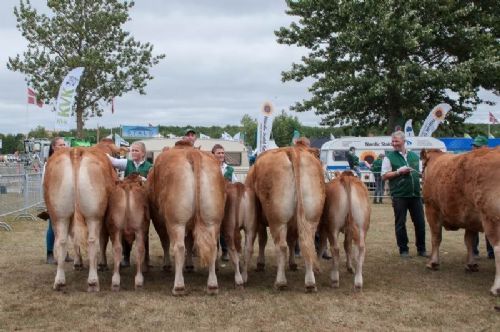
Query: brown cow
[
  {"x": 77, "y": 185},
  {"x": 347, "y": 208},
  {"x": 127, "y": 218},
  {"x": 239, "y": 214},
  {"x": 289, "y": 186},
  {"x": 188, "y": 189},
  {"x": 463, "y": 191}
]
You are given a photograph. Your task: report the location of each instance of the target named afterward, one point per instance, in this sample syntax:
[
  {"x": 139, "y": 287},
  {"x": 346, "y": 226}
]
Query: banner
[
  {"x": 66, "y": 98},
  {"x": 493, "y": 120},
  {"x": 119, "y": 141},
  {"x": 434, "y": 119},
  {"x": 264, "y": 127},
  {"x": 409, "y": 128},
  {"x": 32, "y": 98},
  {"x": 139, "y": 131}
]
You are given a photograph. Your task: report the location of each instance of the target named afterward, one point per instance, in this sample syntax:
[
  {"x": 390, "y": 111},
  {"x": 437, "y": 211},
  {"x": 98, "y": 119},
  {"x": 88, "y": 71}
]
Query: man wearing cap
[
  {"x": 353, "y": 161},
  {"x": 190, "y": 135},
  {"x": 402, "y": 169},
  {"x": 481, "y": 142}
]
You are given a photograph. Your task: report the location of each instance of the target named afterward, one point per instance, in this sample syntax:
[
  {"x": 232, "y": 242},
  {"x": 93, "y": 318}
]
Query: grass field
[{"x": 398, "y": 294}]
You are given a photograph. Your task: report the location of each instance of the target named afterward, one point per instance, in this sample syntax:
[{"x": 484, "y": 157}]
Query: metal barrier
[
  {"x": 368, "y": 179},
  {"x": 20, "y": 191}
]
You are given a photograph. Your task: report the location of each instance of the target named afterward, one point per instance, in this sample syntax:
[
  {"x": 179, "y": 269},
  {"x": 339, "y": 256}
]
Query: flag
[
  {"x": 203, "y": 136},
  {"x": 113, "y": 105},
  {"x": 32, "y": 98},
  {"x": 493, "y": 119},
  {"x": 409, "y": 129},
  {"x": 467, "y": 135},
  {"x": 237, "y": 137},
  {"x": 491, "y": 136},
  {"x": 66, "y": 98},
  {"x": 225, "y": 136},
  {"x": 434, "y": 119},
  {"x": 264, "y": 127}
]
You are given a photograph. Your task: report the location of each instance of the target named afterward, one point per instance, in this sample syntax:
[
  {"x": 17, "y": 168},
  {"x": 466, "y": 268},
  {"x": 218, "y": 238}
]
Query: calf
[
  {"x": 347, "y": 207},
  {"x": 128, "y": 219},
  {"x": 239, "y": 214}
]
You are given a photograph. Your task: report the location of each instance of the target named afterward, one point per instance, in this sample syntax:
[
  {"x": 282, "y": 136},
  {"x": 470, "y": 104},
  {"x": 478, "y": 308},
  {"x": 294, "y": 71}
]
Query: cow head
[{"x": 426, "y": 155}]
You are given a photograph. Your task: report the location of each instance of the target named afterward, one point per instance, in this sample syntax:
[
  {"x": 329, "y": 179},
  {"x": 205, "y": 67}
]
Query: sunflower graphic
[{"x": 369, "y": 156}]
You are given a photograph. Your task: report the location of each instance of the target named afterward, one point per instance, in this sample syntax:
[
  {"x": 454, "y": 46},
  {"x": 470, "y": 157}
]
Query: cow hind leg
[
  {"x": 140, "y": 259},
  {"x": 348, "y": 254},
  {"x": 360, "y": 250},
  {"x": 212, "y": 285},
  {"x": 179, "y": 257},
  {"x": 291, "y": 241},
  {"x": 190, "y": 252},
  {"x": 78, "y": 262},
  {"x": 334, "y": 244},
  {"x": 493, "y": 235},
  {"x": 61, "y": 243},
  {"x": 249, "y": 243},
  {"x": 165, "y": 244},
  {"x": 93, "y": 245},
  {"x": 261, "y": 259},
  {"x": 103, "y": 263},
  {"x": 117, "y": 257},
  {"x": 279, "y": 237},
  {"x": 471, "y": 265}
]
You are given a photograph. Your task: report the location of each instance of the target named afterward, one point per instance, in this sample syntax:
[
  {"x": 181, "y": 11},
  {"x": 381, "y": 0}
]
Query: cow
[
  {"x": 463, "y": 191},
  {"x": 239, "y": 214},
  {"x": 289, "y": 186},
  {"x": 188, "y": 189},
  {"x": 77, "y": 184},
  {"x": 127, "y": 218},
  {"x": 347, "y": 207}
]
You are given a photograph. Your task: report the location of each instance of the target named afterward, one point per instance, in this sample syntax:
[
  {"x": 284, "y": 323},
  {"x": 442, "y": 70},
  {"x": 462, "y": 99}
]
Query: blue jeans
[
  {"x": 379, "y": 187},
  {"x": 49, "y": 238}
]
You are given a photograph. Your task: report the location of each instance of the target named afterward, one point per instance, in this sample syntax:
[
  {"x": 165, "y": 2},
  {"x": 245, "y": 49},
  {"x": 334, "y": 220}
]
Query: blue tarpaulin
[{"x": 462, "y": 144}]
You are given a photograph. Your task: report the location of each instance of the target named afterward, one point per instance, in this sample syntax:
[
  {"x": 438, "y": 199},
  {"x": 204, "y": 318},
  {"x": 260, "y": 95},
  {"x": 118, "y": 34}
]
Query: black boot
[{"x": 50, "y": 258}]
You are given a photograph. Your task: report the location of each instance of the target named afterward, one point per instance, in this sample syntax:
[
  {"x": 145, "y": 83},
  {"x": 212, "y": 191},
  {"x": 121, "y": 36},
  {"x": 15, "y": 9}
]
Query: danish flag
[{"x": 32, "y": 98}]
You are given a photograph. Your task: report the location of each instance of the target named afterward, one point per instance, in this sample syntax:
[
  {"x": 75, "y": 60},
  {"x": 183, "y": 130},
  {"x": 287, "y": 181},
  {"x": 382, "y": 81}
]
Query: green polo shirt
[
  {"x": 407, "y": 185},
  {"x": 143, "y": 168}
]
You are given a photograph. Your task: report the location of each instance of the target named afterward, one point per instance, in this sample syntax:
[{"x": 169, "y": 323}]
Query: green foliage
[
  {"x": 12, "y": 143},
  {"x": 376, "y": 63},
  {"x": 88, "y": 34},
  {"x": 283, "y": 127},
  {"x": 249, "y": 129}
]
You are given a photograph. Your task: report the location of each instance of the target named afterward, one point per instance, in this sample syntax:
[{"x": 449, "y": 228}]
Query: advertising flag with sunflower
[{"x": 434, "y": 119}]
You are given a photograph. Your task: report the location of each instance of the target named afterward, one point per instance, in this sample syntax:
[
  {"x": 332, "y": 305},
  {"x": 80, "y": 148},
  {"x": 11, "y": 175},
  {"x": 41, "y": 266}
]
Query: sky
[{"x": 222, "y": 61}]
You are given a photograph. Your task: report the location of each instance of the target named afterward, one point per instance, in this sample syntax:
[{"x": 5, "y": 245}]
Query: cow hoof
[
  {"x": 358, "y": 288},
  {"x": 78, "y": 267},
  {"x": 212, "y": 290},
  {"x": 239, "y": 286},
  {"x": 495, "y": 292},
  {"x": 189, "y": 269},
  {"x": 179, "y": 291},
  {"x": 260, "y": 267},
  {"x": 335, "y": 284},
  {"x": 293, "y": 267},
  {"x": 167, "y": 268},
  {"x": 93, "y": 288},
  {"x": 472, "y": 268},
  {"x": 280, "y": 286},
  {"x": 101, "y": 267},
  {"x": 433, "y": 266},
  {"x": 59, "y": 287},
  {"x": 350, "y": 269},
  {"x": 115, "y": 288},
  {"x": 311, "y": 288},
  {"x": 139, "y": 287}
]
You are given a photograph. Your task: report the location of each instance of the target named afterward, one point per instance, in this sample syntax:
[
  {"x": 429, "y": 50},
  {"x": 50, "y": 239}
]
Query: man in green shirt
[{"x": 402, "y": 169}]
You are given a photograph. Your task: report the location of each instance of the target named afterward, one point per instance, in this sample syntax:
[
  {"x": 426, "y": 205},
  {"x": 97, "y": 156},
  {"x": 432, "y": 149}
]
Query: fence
[
  {"x": 20, "y": 192},
  {"x": 368, "y": 180}
]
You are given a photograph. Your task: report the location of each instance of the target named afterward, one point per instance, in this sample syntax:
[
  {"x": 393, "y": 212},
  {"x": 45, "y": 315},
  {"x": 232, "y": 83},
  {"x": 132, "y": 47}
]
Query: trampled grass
[{"x": 398, "y": 294}]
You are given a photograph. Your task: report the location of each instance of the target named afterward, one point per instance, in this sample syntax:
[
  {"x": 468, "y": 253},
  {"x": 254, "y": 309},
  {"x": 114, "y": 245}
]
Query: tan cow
[
  {"x": 127, "y": 218},
  {"x": 463, "y": 191},
  {"x": 347, "y": 208},
  {"x": 77, "y": 185},
  {"x": 289, "y": 185},
  {"x": 239, "y": 215},
  {"x": 188, "y": 189}
]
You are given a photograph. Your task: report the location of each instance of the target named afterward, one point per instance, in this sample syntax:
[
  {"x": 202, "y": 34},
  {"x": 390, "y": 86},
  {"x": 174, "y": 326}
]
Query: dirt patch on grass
[{"x": 398, "y": 294}]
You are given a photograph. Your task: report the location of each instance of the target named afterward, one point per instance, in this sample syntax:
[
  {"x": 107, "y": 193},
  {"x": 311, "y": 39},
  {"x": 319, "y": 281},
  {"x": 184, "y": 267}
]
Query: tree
[
  {"x": 283, "y": 127},
  {"x": 12, "y": 143},
  {"x": 38, "y": 132},
  {"x": 380, "y": 62},
  {"x": 85, "y": 33},
  {"x": 249, "y": 129}
]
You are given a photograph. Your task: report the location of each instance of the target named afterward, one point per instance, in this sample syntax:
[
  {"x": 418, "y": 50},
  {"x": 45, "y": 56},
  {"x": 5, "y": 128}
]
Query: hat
[
  {"x": 480, "y": 141},
  {"x": 352, "y": 148},
  {"x": 189, "y": 130}
]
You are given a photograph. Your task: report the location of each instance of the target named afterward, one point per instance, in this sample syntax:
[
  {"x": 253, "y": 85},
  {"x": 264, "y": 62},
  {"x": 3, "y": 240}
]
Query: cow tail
[
  {"x": 79, "y": 227},
  {"x": 349, "y": 224},
  {"x": 204, "y": 237},
  {"x": 305, "y": 229}
]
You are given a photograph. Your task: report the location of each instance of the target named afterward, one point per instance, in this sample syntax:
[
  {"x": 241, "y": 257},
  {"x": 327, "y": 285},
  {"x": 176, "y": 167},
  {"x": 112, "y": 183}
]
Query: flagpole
[{"x": 488, "y": 130}]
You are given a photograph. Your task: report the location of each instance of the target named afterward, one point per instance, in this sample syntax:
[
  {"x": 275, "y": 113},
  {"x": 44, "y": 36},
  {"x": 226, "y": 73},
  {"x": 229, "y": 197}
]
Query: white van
[
  {"x": 236, "y": 152},
  {"x": 333, "y": 153}
]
